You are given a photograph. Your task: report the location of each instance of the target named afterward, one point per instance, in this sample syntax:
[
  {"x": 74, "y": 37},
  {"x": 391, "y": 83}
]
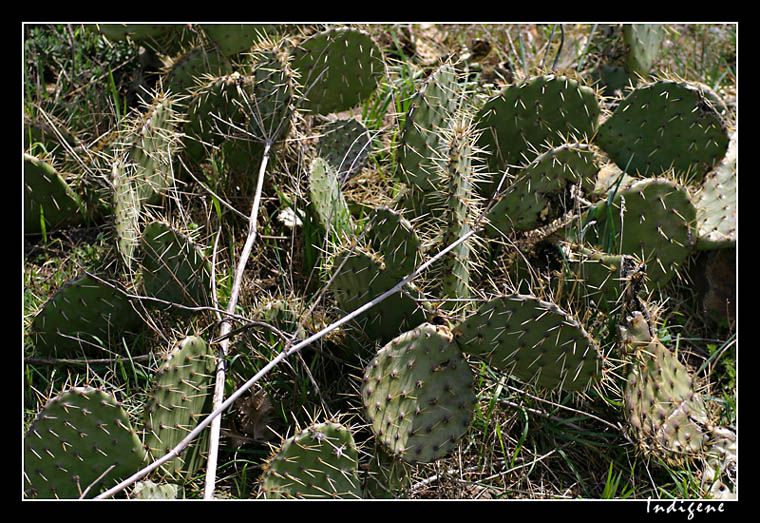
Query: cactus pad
[
  {"x": 664, "y": 125},
  {"x": 339, "y": 69},
  {"x": 418, "y": 394},
  {"x": 658, "y": 226},
  {"x": 79, "y": 435},
  {"x": 716, "y": 204},
  {"x": 48, "y": 196},
  {"x": 173, "y": 268},
  {"x": 81, "y": 317},
  {"x": 518, "y": 122},
  {"x": 327, "y": 199},
  {"x": 532, "y": 339},
  {"x": 180, "y": 398},
  {"x": 320, "y": 461},
  {"x": 346, "y": 145}
]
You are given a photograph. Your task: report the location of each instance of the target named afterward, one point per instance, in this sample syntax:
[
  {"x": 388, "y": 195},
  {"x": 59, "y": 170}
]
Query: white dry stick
[
  {"x": 216, "y": 425},
  {"x": 173, "y": 453}
]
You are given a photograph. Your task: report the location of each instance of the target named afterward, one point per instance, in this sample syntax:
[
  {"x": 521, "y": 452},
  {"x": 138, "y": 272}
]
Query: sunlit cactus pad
[
  {"x": 80, "y": 435},
  {"x": 524, "y": 118},
  {"x": 418, "y": 394},
  {"x": 179, "y": 399},
  {"x": 717, "y": 204},
  {"x": 339, "y": 68},
  {"x": 318, "y": 462},
  {"x": 534, "y": 340},
  {"x": 664, "y": 125}
]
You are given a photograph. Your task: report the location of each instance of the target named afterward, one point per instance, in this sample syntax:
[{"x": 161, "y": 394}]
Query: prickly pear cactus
[
  {"x": 328, "y": 200},
  {"x": 318, "y": 462},
  {"x": 392, "y": 254},
  {"x": 518, "y": 123},
  {"x": 643, "y": 42},
  {"x": 716, "y": 204},
  {"x": 541, "y": 191},
  {"x": 85, "y": 317},
  {"x": 664, "y": 125},
  {"x": 48, "y": 197},
  {"x": 173, "y": 268},
  {"x": 345, "y": 144},
  {"x": 429, "y": 112},
  {"x": 232, "y": 39},
  {"x": 150, "y": 490},
  {"x": 186, "y": 70},
  {"x": 657, "y": 226},
  {"x": 339, "y": 68},
  {"x": 533, "y": 340},
  {"x": 180, "y": 398},
  {"x": 80, "y": 435},
  {"x": 418, "y": 394}
]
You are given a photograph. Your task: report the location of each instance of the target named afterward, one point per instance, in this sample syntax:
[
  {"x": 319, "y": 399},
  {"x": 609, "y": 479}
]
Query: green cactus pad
[
  {"x": 136, "y": 32},
  {"x": 664, "y": 125},
  {"x": 214, "y": 108},
  {"x": 533, "y": 340},
  {"x": 318, "y": 462},
  {"x": 658, "y": 226},
  {"x": 418, "y": 394},
  {"x": 127, "y": 208},
  {"x": 716, "y": 204},
  {"x": 47, "y": 196},
  {"x": 392, "y": 236},
  {"x": 79, "y": 435},
  {"x": 147, "y": 147},
  {"x": 346, "y": 145},
  {"x": 666, "y": 416},
  {"x": 339, "y": 68},
  {"x": 173, "y": 268},
  {"x": 180, "y": 398},
  {"x": 429, "y": 112},
  {"x": 232, "y": 39},
  {"x": 191, "y": 66},
  {"x": 84, "y": 317},
  {"x": 363, "y": 278},
  {"x": 328, "y": 200},
  {"x": 540, "y": 192},
  {"x": 523, "y": 119},
  {"x": 643, "y": 42}
]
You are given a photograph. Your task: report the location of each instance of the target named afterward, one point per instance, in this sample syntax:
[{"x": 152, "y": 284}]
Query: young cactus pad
[
  {"x": 339, "y": 69},
  {"x": 180, "y": 398},
  {"x": 318, "y": 462},
  {"x": 80, "y": 435},
  {"x": 418, "y": 394},
  {"x": 84, "y": 317},
  {"x": 664, "y": 125},
  {"x": 518, "y": 122},
  {"x": 327, "y": 199},
  {"x": 533, "y": 340}
]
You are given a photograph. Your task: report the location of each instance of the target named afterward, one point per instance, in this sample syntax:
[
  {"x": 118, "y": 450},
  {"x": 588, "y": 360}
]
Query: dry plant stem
[
  {"x": 216, "y": 425},
  {"x": 269, "y": 366}
]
